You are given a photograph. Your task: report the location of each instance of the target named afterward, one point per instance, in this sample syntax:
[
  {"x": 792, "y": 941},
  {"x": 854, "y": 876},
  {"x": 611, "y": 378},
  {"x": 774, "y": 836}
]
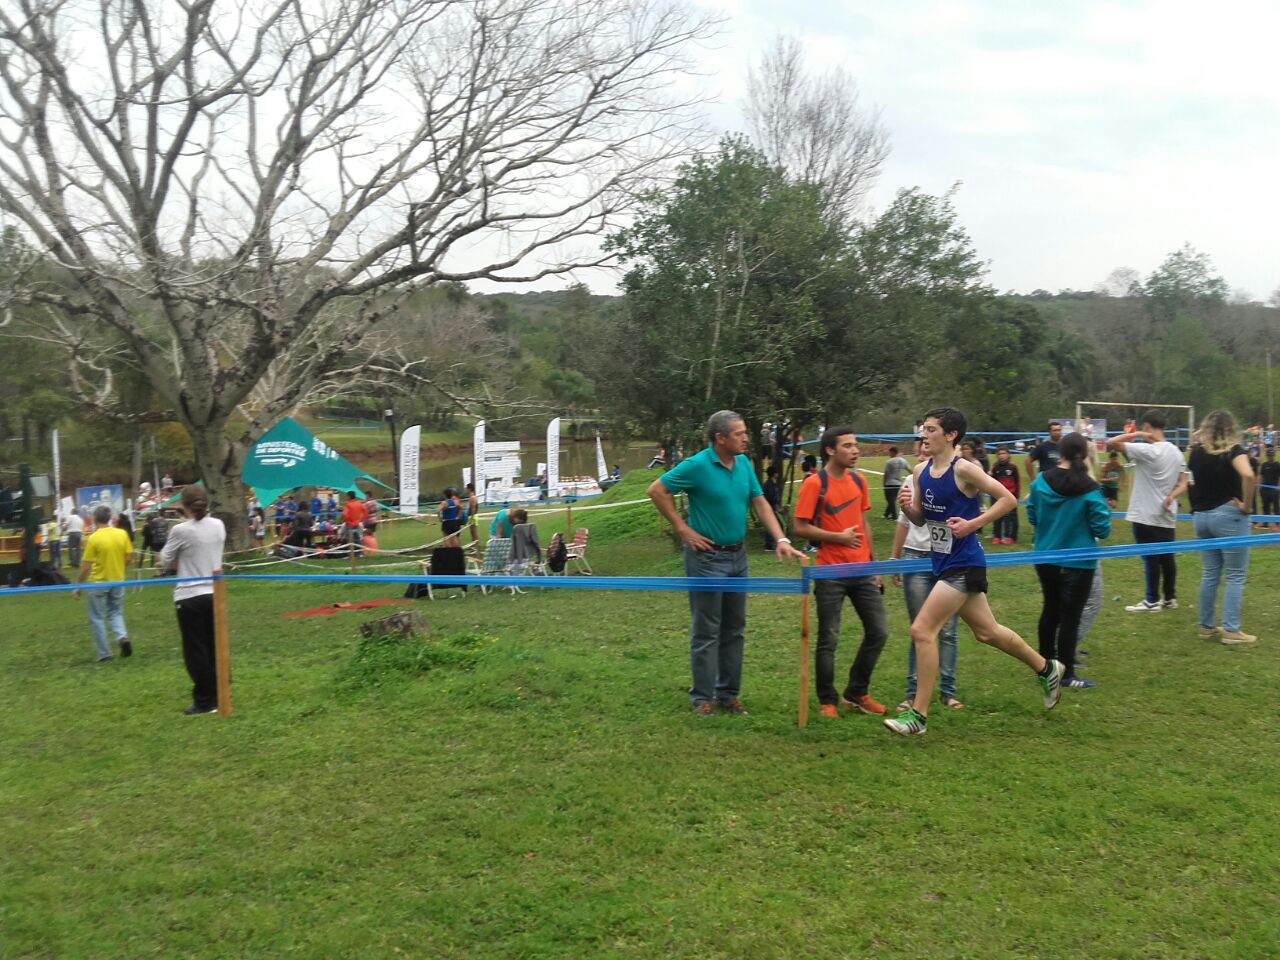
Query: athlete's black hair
[
  {"x": 1154, "y": 418},
  {"x": 830, "y": 436},
  {"x": 1074, "y": 448},
  {"x": 951, "y": 421}
]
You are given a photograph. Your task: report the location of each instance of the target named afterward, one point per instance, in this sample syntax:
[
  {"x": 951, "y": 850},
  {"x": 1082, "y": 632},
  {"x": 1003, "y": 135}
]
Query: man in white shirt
[
  {"x": 73, "y": 526},
  {"x": 194, "y": 549},
  {"x": 1159, "y": 477}
]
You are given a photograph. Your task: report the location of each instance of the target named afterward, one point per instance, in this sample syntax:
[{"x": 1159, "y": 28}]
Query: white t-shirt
[
  {"x": 917, "y": 536},
  {"x": 195, "y": 546},
  {"x": 75, "y": 523},
  {"x": 1156, "y": 468}
]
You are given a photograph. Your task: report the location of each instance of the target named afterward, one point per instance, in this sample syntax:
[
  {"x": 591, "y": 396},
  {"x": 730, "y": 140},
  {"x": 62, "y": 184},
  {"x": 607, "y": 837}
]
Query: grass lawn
[{"x": 530, "y": 783}]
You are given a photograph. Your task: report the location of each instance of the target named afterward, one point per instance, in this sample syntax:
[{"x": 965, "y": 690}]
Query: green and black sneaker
[{"x": 907, "y": 723}]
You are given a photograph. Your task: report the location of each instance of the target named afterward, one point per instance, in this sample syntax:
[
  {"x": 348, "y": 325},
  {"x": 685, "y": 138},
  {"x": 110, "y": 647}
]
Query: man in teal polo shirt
[{"x": 720, "y": 484}]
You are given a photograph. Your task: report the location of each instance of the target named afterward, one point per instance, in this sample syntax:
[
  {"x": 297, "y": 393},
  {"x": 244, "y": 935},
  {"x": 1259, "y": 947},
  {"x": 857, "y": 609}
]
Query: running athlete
[{"x": 945, "y": 497}]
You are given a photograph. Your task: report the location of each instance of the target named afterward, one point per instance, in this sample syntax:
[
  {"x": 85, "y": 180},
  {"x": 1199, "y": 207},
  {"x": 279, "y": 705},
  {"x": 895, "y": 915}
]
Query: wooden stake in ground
[
  {"x": 221, "y": 646},
  {"x": 802, "y": 718}
]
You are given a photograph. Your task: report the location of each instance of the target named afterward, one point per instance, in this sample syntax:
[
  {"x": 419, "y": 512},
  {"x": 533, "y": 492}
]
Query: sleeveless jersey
[{"x": 940, "y": 498}]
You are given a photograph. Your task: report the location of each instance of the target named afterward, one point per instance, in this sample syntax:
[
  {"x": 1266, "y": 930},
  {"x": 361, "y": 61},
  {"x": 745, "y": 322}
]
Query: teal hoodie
[{"x": 1067, "y": 509}]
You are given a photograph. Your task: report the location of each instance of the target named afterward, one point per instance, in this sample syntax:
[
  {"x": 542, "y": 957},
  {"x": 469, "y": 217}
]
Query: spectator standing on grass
[
  {"x": 1112, "y": 472},
  {"x": 773, "y": 495},
  {"x": 317, "y": 506},
  {"x": 1005, "y": 472},
  {"x": 1159, "y": 477},
  {"x": 300, "y": 531},
  {"x": 370, "y": 514},
  {"x": 1067, "y": 510},
  {"x": 258, "y": 527},
  {"x": 450, "y": 516},
  {"x": 896, "y": 471},
  {"x": 331, "y": 508},
  {"x": 74, "y": 527},
  {"x": 53, "y": 537},
  {"x": 1270, "y": 486},
  {"x": 353, "y": 515},
  {"x": 473, "y": 510},
  {"x": 107, "y": 553},
  {"x": 911, "y": 542},
  {"x": 194, "y": 549},
  {"x": 831, "y": 511},
  {"x": 1044, "y": 455},
  {"x": 720, "y": 484},
  {"x": 1220, "y": 495}
]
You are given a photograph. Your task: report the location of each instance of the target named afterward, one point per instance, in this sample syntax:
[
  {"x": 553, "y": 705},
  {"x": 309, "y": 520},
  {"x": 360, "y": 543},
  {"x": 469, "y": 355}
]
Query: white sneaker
[
  {"x": 1145, "y": 606},
  {"x": 1170, "y": 604}
]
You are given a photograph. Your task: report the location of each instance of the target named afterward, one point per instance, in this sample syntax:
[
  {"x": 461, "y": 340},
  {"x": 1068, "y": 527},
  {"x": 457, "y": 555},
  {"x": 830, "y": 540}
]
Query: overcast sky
[{"x": 1087, "y": 135}]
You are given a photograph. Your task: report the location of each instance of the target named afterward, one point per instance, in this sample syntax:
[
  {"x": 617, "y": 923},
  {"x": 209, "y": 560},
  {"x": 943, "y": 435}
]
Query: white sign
[
  {"x": 466, "y": 475},
  {"x": 410, "y": 442},
  {"x": 57, "y": 468},
  {"x": 477, "y": 441},
  {"x": 553, "y": 457}
]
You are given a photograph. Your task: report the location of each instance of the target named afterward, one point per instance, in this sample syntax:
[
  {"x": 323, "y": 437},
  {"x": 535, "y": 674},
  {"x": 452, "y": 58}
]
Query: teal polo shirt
[{"x": 718, "y": 496}]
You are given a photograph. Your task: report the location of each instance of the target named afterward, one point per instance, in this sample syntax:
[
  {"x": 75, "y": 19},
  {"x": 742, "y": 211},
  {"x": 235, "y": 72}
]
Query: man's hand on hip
[{"x": 695, "y": 541}]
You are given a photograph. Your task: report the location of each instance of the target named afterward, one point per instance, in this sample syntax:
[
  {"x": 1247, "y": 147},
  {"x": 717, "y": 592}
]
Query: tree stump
[{"x": 401, "y": 626}]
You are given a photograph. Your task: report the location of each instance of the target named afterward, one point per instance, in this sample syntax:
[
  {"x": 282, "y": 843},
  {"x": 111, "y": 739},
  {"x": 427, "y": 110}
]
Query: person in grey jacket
[{"x": 525, "y": 548}]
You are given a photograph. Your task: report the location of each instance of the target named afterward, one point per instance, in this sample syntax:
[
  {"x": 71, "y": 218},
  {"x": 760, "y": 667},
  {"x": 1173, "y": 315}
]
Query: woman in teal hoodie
[{"x": 1067, "y": 510}]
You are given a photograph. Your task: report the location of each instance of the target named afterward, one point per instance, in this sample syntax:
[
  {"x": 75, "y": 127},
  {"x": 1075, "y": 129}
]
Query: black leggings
[{"x": 1065, "y": 589}]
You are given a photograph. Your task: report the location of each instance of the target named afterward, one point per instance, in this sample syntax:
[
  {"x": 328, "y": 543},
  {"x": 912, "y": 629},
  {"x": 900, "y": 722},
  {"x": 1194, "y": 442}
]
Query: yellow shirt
[{"x": 107, "y": 548}]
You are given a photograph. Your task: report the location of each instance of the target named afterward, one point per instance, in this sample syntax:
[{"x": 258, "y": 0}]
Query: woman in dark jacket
[{"x": 1067, "y": 510}]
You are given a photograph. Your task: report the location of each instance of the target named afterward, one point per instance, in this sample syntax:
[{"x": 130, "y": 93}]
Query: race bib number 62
[{"x": 939, "y": 537}]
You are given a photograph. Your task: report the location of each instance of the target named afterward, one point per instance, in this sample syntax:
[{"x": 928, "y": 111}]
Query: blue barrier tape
[
  {"x": 1020, "y": 558},
  {"x": 773, "y": 585}
]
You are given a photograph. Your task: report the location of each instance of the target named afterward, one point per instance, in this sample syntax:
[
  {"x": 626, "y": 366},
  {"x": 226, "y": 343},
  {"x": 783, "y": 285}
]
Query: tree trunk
[{"x": 220, "y": 461}]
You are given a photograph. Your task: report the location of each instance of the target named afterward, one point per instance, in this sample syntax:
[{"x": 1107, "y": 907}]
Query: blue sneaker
[{"x": 1079, "y": 683}]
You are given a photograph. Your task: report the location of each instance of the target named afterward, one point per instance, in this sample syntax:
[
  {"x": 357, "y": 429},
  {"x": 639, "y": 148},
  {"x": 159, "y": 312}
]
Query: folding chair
[
  {"x": 578, "y": 552},
  {"x": 497, "y": 560}
]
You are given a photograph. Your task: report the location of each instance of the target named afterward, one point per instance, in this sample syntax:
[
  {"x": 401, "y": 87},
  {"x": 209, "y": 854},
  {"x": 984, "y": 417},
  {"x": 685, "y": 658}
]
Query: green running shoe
[
  {"x": 907, "y": 723},
  {"x": 1052, "y": 685}
]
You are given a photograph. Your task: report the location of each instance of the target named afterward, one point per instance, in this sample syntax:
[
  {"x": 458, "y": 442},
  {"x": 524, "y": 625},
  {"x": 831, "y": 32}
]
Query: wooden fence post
[{"x": 221, "y": 646}]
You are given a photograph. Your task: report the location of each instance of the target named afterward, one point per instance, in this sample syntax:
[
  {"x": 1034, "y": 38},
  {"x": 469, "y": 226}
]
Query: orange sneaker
[
  {"x": 829, "y": 710},
  {"x": 865, "y": 704}
]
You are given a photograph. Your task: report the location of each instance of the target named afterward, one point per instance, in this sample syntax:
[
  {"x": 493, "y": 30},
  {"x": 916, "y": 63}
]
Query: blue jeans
[
  {"x": 915, "y": 590},
  {"x": 106, "y": 608},
  {"x": 1223, "y": 521},
  {"x": 1007, "y": 526},
  {"x": 716, "y": 633}
]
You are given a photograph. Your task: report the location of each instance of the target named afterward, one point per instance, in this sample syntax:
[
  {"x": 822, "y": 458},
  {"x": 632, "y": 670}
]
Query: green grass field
[{"x": 530, "y": 783}]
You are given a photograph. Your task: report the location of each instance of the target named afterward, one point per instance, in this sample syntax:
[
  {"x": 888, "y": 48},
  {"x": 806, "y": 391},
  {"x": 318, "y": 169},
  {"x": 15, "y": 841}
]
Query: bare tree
[
  {"x": 815, "y": 128},
  {"x": 1121, "y": 282},
  {"x": 244, "y": 193}
]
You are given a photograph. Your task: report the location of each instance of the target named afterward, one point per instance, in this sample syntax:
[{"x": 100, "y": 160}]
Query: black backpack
[
  {"x": 158, "y": 531},
  {"x": 557, "y": 554}
]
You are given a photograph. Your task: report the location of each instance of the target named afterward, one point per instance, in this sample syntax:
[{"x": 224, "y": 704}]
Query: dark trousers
[
  {"x": 867, "y": 601},
  {"x": 1065, "y": 589},
  {"x": 891, "y": 502},
  {"x": 73, "y": 548},
  {"x": 195, "y": 621},
  {"x": 1007, "y": 526},
  {"x": 1160, "y": 566},
  {"x": 1271, "y": 502}
]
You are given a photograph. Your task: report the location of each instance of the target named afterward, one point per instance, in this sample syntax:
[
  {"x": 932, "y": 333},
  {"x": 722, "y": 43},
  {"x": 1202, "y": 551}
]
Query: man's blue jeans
[
  {"x": 716, "y": 633},
  {"x": 1223, "y": 521},
  {"x": 915, "y": 590},
  {"x": 106, "y": 608}
]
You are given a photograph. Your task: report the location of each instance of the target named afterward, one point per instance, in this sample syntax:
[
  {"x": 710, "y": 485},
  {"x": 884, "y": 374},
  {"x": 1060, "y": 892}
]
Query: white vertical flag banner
[
  {"x": 553, "y": 457},
  {"x": 57, "y": 470},
  {"x": 410, "y": 454},
  {"x": 602, "y": 471},
  {"x": 466, "y": 475},
  {"x": 477, "y": 441}
]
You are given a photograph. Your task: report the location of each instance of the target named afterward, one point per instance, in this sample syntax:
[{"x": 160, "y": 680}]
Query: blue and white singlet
[{"x": 940, "y": 498}]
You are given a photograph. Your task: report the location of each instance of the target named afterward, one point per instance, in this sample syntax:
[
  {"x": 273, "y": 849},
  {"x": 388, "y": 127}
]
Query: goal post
[{"x": 1084, "y": 407}]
